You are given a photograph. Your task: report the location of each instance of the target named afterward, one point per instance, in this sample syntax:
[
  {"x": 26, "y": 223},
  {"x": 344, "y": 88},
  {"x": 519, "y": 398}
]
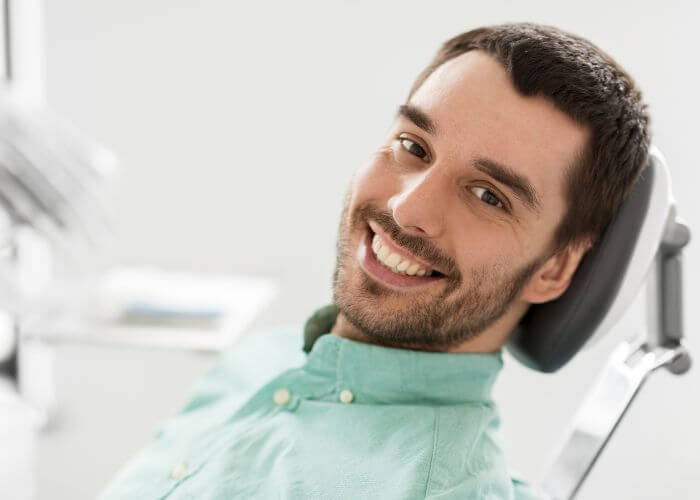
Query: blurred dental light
[{"x": 53, "y": 221}]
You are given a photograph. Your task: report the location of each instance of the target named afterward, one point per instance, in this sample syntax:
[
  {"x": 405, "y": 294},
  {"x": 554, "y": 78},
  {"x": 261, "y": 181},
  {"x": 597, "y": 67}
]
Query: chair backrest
[{"x": 606, "y": 281}]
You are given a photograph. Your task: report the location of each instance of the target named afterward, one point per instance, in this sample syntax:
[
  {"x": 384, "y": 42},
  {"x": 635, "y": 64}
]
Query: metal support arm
[{"x": 627, "y": 369}]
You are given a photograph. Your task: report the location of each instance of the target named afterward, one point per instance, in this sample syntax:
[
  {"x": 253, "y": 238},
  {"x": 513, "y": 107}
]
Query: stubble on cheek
[{"x": 424, "y": 321}]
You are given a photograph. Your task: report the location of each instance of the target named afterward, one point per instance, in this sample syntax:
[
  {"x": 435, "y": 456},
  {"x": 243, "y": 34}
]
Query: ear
[{"x": 554, "y": 276}]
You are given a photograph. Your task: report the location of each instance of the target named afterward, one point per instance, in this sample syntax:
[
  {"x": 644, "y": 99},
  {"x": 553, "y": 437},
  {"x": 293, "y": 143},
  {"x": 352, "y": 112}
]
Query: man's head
[{"x": 515, "y": 147}]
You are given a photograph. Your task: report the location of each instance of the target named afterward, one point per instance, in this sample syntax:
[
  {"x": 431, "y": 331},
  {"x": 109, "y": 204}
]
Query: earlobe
[
  {"x": 554, "y": 276},
  {"x": 547, "y": 284}
]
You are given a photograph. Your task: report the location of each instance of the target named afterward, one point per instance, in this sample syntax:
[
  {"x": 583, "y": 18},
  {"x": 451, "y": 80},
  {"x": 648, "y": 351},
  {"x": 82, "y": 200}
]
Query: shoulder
[
  {"x": 247, "y": 365},
  {"x": 468, "y": 461}
]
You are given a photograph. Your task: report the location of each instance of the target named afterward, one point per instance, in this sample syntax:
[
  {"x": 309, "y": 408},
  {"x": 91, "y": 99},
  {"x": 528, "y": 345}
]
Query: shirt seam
[
  {"x": 432, "y": 455},
  {"x": 483, "y": 416}
]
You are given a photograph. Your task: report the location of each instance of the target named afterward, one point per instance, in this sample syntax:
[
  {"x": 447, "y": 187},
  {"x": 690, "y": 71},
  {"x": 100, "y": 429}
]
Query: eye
[
  {"x": 414, "y": 148},
  {"x": 487, "y": 196}
]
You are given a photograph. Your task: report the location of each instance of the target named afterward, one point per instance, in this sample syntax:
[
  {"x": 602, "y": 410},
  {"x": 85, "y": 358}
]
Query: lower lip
[{"x": 380, "y": 273}]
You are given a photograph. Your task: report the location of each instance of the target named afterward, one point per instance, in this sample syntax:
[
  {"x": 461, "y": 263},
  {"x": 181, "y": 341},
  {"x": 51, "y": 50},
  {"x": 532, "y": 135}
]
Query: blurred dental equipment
[
  {"x": 52, "y": 223},
  {"x": 53, "y": 219},
  {"x": 51, "y": 216}
]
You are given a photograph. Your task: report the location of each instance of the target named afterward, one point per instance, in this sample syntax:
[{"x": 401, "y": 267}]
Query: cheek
[
  {"x": 482, "y": 246},
  {"x": 376, "y": 180}
]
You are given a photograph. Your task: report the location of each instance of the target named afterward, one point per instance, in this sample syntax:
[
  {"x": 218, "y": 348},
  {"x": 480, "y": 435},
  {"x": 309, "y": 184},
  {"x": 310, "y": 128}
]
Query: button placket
[{"x": 345, "y": 395}]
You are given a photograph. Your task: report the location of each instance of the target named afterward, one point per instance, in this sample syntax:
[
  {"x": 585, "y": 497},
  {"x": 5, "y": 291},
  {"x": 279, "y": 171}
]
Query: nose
[{"x": 418, "y": 208}]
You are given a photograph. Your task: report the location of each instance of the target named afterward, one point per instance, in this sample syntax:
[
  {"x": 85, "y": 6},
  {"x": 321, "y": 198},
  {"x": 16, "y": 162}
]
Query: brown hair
[{"x": 589, "y": 86}]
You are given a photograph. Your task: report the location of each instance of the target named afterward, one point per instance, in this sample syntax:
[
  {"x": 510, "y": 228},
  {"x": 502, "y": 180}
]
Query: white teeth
[
  {"x": 403, "y": 265},
  {"x": 412, "y": 269},
  {"x": 394, "y": 261}
]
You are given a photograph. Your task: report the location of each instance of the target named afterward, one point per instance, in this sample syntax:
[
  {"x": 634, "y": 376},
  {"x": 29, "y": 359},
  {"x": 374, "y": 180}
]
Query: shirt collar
[{"x": 379, "y": 374}]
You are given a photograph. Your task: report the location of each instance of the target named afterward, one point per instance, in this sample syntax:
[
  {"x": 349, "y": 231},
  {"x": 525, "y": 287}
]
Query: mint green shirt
[{"x": 351, "y": 421}]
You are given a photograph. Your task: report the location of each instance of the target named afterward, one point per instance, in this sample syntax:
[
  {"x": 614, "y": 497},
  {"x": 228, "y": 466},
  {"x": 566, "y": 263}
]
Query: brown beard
[{"x": 427, "y": 323}]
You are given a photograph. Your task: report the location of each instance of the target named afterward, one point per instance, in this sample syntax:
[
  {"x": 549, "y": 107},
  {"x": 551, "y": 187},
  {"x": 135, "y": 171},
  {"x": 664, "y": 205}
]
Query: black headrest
[{"x": 550, "y": 334}]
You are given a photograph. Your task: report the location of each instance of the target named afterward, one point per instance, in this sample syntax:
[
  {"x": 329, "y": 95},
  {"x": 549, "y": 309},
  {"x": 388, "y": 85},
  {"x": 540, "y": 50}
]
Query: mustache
[{"x": 418, "y": 246}]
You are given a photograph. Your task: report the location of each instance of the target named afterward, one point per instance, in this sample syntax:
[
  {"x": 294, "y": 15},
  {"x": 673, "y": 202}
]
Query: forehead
[{"x": 478, "y": 112}]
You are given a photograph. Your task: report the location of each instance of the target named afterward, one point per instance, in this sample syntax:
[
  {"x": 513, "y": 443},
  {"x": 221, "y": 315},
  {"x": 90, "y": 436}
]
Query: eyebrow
[
  {"x": 419, "y": 118},
  {"x": 517, "y": 183}
]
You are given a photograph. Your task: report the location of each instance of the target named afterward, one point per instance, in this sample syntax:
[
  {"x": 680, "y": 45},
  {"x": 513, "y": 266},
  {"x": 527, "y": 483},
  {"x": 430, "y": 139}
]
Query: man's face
[{"x": 448, "y": 223}]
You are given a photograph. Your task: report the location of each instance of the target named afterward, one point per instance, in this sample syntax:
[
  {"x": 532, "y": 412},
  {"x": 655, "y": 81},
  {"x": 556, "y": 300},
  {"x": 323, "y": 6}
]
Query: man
[{"x": 503, "y": 167}]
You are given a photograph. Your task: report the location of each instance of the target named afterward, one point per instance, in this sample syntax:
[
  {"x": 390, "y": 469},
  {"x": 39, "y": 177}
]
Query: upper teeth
[{"x": 394, "y": 261}]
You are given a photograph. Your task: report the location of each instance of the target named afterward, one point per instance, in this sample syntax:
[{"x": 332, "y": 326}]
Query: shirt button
[
  {"x": 282, "y": 396},
  {"x": 178, "y": 471},
  {"x": 346, "y": 396}
]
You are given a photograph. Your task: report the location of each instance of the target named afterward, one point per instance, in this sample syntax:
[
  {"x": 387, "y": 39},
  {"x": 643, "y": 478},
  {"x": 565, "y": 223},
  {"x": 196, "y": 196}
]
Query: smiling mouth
[
  {"x": 398, "y": 263},
  {"x": 392, "y": 265}
]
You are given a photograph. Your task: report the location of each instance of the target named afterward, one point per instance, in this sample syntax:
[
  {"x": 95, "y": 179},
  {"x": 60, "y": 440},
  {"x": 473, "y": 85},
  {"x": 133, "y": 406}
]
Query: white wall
[{"x": 239, "y": 124}]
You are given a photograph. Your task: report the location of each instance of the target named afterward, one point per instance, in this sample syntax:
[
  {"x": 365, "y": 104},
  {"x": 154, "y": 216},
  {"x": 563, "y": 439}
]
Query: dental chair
[{"x": 641, "y": 247}]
